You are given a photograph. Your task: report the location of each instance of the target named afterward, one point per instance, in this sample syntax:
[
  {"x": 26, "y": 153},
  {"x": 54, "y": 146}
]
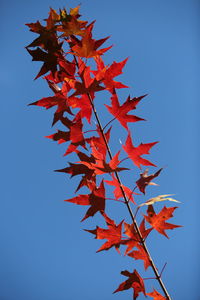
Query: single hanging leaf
[
  {"x": 134, "y": 238},
  {"x": 145, "y": 180},
  {"x": 60, "y": 136},
  {"x": 59, "y": 99},
  {"x": 50, "y": 60},
  {"x": 99, "y": 142},
  {"x": 106, "y": 74},
  {"x": 100, "y": 166},
  {"x": 87, "y": 47},
  {"x": 70, "y": 25},
  {"x": 157, "y": 221},
  {"x": 84, "y": 104},
  {"x": 134, "y": 281},
  {"x": 156, "y": 296},
  {"x": 78, "y": 169},
  {"x": 47, "y": 36},
  {"x": 76, "y": 134},
  {"x": 135, "y": 153},
  {"x": 120, "y": 112},
  {"x": 112, "y": 234},
  {"x": 117, "y": 191},
  {"x": 141, "y": 254},
  {"x": 159, "y": 199},
  {"x": 96, "y": 199}
]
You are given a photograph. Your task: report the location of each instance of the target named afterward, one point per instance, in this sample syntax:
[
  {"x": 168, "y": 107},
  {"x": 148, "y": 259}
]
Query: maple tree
[{"x": 75, "y": 72}]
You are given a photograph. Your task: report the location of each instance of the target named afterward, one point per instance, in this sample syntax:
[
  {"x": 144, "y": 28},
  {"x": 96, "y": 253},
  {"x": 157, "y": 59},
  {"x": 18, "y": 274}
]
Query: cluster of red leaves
[{"x": 64, "y": 46}]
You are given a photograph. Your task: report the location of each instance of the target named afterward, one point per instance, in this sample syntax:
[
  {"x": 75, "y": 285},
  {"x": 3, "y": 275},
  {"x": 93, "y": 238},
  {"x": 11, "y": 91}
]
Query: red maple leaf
[
  {"x": 112, "y": 234},
  {"x": 134, "y": 238},
  {"x": 74, "y": 135},
  {"x": 100, "y": 166},
  {"x": 78, "y": 169},
  {"x": 157, "y": 221},
  {"x": 60, "y": 136},
  {"x": 47, "y": 38},
  {"x": 59, "y": 99},
  {"x": 120, "y": 112},
  {"x": 87, "y": 46},
  {"x": 134, "y": 281},
  {"x": 156, "y": 296},
  {"x": 106, "y": 74},
  {"x": 96, "y": 199},
  {"x": 50, "y": 60},
  {"x": 99, "y": 142},
  {"x": 70, "y": 23},
  {"x": 84, "y": 104},
  {"x": 141, "y": 254},
  {"x": 135, "y": 153},
  {"x": 145, "y": 180},
  {"x": 118, "y": 192}
]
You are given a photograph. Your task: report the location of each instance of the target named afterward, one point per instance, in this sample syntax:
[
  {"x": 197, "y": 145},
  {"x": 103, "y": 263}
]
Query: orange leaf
[
  {"x": 131, "y": 232},
  {"x": 117, "y": 191},
  {"x": 141, "y": 254},
  {"x": 112, "y": 234},
  {"x": 87, "y": 47},
  {"x": 145, "y": 180},
  {"x": 135, "y": 153},
  {"x": 120, "y": 112},
  {"x": 106, "y": 74},
  {"x": 134, "y": 281},
  {"x": 156, "y": 296},
  {"x": 157, "y": 221}
]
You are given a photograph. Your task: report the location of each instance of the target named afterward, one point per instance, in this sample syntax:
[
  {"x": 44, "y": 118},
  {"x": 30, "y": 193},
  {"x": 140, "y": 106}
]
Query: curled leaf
[{"x": 159, "y": 199}]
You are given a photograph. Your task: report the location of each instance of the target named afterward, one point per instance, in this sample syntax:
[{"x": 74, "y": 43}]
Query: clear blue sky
[{"x": 44, "y": 253}]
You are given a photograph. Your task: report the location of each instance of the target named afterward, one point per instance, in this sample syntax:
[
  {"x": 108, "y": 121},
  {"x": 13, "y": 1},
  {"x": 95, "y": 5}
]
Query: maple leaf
[
  {"x": 35, "y": 27},
  {"x": 74, "y": 135},
  {"x": 145, "y": 180},
  {"x": 87, "y": 47},
  {"x": 159, "y": 199},
  {"x": 157, "y": 221},
  {"x": 121, "y": 112},
  {"x": 112, "y": 234},
  {"x": 118, "y": 192},
  {"x": 88, "y": 85},
  {"x": 50, "y": 60},
  {"x": 84, "y": 104},
  {"x": 99, "y": 142},
  {"x": 100, "y": 166},
  {"x": 72, "y": 26},
  {"x": 135, "y": 153},
  {"x": 134, "y": 238},
  {"x": 82, "y": 89},
  {"x": 106, "y": 74},
  {"x": 65, "y": 74},
  {"x": 60, "y": 136},
  {"x": 78, "y": 169},
  {"x": 141, "y": 254},
  {"x": 47, "y": 37},
  {"x": 134, "y": 281},
  {"x": 59, "y": 100},
  {"x": 156, "y": 296},
  {"x": 96, "y": 199}
]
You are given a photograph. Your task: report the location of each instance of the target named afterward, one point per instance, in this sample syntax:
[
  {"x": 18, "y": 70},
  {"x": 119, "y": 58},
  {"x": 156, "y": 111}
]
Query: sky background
[{"x": 44, "y": 252}]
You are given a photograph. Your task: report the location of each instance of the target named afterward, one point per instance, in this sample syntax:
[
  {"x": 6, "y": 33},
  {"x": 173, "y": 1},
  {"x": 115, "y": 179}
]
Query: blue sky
[{"x": 44, "y": 252}]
